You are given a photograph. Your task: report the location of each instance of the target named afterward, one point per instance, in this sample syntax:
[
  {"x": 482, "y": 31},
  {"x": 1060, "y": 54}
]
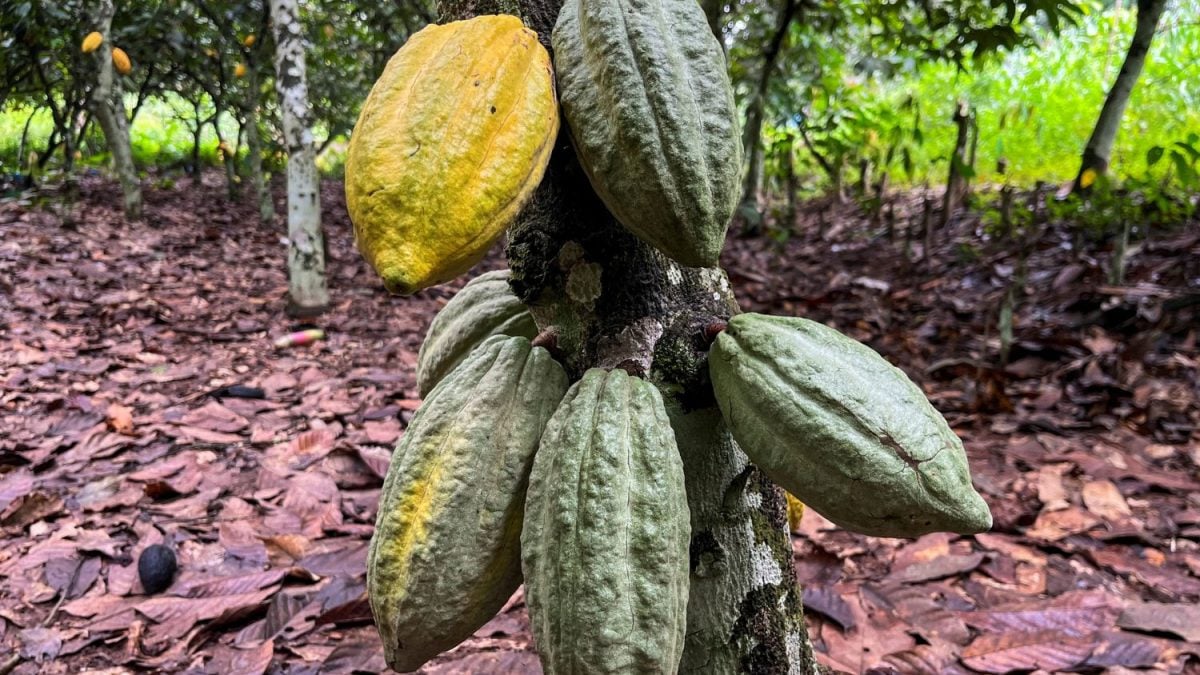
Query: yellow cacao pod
[
  {"x": 452, "y": 140},
  {"x": 795, "y": 512},
  {"x": 249, "y": 40},
  {"x": 121, "y": 61},
  {"x": 239, "y": 70},
  {"x": 92, "y": 42}
]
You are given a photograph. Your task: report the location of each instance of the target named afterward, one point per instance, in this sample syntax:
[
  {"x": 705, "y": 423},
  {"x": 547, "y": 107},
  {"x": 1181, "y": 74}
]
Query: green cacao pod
[
  {"x": 839, "y": 427},
  {"x": 646, "y": 94},
  {"x": 483, "y": 308},
  {"x": 605, "y": 545},
  {"x": 445, "y": 555}
]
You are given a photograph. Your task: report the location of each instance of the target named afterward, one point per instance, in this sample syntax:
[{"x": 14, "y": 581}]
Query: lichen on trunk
[{"x": 615, "y": 302}]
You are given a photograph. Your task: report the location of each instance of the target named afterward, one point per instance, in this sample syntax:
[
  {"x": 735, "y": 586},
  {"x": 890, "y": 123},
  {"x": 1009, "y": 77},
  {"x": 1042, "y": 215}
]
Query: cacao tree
[
  {"x": 306, "y": 250},
  {"x": 108, "y": 105},
  {"x": 646, "y": 538}
]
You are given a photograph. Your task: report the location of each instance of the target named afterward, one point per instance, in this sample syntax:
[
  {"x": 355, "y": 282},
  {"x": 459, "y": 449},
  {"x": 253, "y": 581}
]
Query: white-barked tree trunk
[{"x": 306, "y": 250}]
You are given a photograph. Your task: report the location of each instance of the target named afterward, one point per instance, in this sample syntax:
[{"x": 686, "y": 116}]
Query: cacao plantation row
[
  {"x": 603, "y": 463},
  {"x": 507, "y": 475}
]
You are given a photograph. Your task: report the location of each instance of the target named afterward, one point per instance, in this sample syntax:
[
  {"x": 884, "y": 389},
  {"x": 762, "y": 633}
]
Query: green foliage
[
  {"x": 194, "y": 67},
  {"x": 1034, "y": 108}
]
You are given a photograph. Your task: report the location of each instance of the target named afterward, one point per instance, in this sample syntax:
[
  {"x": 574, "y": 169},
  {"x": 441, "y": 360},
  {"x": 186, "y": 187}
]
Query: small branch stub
[
  {"x": 712, "y": 330},
  {"x": 547, "y": 339}
]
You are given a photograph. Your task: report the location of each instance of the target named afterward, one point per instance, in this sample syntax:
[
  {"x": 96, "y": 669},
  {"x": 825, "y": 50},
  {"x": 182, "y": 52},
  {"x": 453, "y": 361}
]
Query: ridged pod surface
[
  {"x": 445, "y": 555},
  {"x": 121, "y": 62},
  {"x": 839, "y": 427},
  {"x": 484, "y": 307},
  {"x": 605, "y": 546},
  {"x": 452, "y": 140},
  {"x": 645, "y": 90}
]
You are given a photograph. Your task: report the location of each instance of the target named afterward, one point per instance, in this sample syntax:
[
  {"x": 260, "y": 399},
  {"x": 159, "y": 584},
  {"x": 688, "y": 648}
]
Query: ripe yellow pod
[
  {"x": 249, "y": 40},
  {"x": 92, "y": 42},
  {"x": 121, "y": 61},
  {"x": 239, "y": 70},
  {"x": 451, "y": 142}
]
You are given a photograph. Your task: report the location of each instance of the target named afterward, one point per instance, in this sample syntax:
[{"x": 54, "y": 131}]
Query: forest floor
[{"x": 119, "y": 342}]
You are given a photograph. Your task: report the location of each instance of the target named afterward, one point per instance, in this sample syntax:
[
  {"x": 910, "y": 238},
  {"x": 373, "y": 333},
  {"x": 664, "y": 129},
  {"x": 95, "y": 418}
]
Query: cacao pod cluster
[
  {"x": 456, "y": 134},
  {"x": 507, "y": 474},
  {"x": 511, "y": 473}
]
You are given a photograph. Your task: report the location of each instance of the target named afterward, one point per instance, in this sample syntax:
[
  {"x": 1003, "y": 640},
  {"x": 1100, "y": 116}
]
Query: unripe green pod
[
  {"x": 645, "y": 88},
  {"x": 445, "y": 555},
  {"x": 484, "y": 307},
  {"x": 605, "y": 546},
  {"x": 835, "y": 424}
]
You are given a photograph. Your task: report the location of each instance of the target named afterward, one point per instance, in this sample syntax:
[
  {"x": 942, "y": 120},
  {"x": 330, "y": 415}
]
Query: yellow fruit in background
[
  {"x": 224, "y": 148},
  {"x": 1087, "y": 178},
  {"x": 448, "y": 148},
  {"x": 92, "y": 42},
  {"x": 121, "y": 61},
  {"x": 239, "y": 70},
  {"x": 210, "y": 53},
  {"x": 795, "y": 512},
  {"x": 249, "y": 40}
]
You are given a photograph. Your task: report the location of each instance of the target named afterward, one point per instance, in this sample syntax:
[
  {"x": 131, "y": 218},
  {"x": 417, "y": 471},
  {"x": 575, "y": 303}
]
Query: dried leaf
[
  {"x": 120, "y": 419},
  {"x": 1181, "y": 619},
  {"x": 1046, "y": 650}
]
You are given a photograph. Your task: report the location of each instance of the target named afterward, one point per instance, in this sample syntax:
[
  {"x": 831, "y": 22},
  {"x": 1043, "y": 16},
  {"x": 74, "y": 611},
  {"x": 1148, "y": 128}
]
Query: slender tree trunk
[
  {"x": 109, "y": 109},
  {"x": 955, "y": 181},
  {"x": 306, "y": 248},
  {"x": 197, "y": 131},
  {"x": 228, "y": 153},
  {"x": 262, "y": 190},
  {"x": 648, "y": 315},
  {"x": 793, "y": 184},
  {"x": 1098, "y": 152},
  {"x": 748, "y": 210}
]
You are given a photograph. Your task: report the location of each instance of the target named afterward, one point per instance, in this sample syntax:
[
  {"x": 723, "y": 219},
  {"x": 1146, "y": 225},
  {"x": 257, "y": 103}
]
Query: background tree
[
  {"x": 1098, "y": 151},
  {"x": 306, "y": 250},
  {"x": 108, "y": 105}
]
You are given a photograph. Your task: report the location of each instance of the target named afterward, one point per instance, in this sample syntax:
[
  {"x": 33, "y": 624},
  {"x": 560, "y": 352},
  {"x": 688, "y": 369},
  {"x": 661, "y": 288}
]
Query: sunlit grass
[{"x": 1036, "y": 107}]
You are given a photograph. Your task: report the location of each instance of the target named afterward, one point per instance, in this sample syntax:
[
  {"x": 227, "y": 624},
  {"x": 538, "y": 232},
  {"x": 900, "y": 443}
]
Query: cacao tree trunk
[
  {"x": 262, "y": 190},
  {"x": 306, "y": 248},
  {"x": 613, "y": 301},
  {"x": 748, "y": 210},
  {"x": 109, "y": 108},
  {"x": 1098, "y": 151}
]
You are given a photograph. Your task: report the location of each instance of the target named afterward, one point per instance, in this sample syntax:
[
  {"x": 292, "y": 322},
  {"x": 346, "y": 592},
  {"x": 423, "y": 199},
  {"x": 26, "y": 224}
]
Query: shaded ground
[{"x": 118, "y": 344}]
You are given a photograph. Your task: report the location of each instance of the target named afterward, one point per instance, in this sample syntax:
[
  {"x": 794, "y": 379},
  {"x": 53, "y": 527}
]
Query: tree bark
[
  {"x": 748, "y": 211},
  {"x": 262, "y": 189},
  {"x": 955, "y": 181},
  {"x": 306, "y": 248},
  {"x": 1098, "y": 151},
  {"x": 109, "y": 109},
  {"x": 614, "y": 301}
]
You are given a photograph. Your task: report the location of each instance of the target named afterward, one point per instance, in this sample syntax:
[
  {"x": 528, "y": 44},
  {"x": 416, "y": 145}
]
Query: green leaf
[{"x": 1153, "y": 155}]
